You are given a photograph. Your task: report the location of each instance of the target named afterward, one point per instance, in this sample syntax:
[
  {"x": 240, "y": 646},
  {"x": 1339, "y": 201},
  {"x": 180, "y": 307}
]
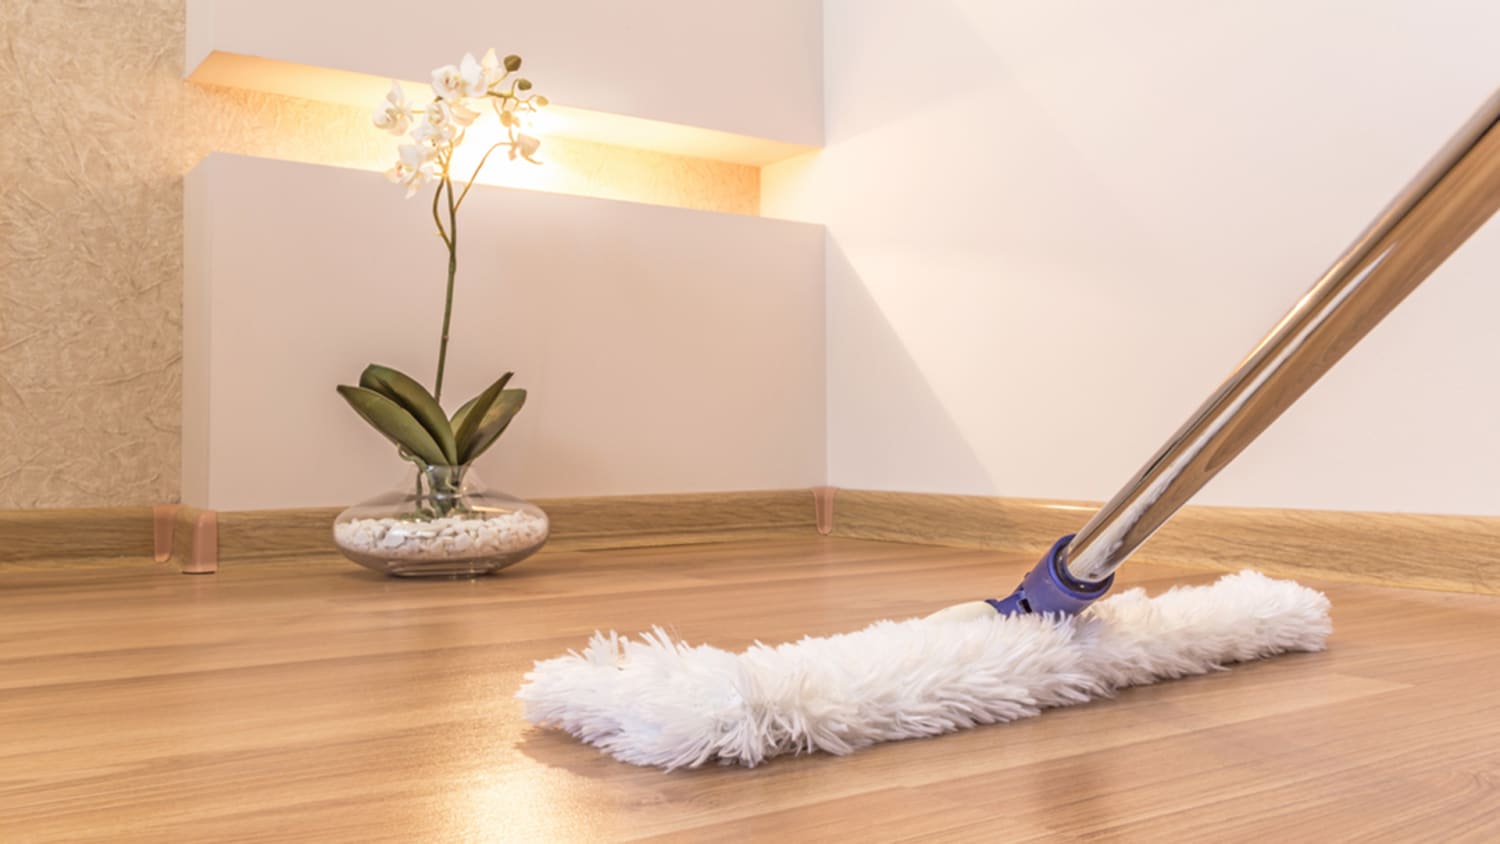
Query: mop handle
[{"x": 1451, "y": 198}]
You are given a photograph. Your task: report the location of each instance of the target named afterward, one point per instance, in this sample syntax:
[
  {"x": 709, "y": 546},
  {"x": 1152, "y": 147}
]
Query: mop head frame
[{"x": 660, "y": 702}]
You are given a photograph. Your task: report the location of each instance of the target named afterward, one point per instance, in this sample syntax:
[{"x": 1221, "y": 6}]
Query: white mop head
[{"x": 660, "y": 702}]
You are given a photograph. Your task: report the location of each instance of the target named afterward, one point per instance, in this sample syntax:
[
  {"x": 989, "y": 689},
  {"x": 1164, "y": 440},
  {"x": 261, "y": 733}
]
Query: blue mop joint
[{"x": 1048, "y": 588}]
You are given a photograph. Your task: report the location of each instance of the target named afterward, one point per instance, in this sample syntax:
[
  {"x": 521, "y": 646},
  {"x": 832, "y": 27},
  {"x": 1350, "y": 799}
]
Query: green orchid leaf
[
  {"x": 395, "y": 422},
  {"x": 495, "y": 421},
  {"x": 468, "y": 418},
  {"x": 405, "y": 391}
]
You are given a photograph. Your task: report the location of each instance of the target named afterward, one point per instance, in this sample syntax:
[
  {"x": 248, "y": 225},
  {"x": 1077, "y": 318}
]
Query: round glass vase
[{"x": 443, "y": 523}]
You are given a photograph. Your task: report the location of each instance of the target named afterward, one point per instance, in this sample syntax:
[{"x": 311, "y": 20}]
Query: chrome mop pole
[{"x": 1446, "y": 203}]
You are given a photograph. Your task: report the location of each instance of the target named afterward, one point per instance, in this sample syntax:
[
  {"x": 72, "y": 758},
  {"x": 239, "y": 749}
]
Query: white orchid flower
[
  {"x": 443, "y": 123},
  {"x": 397, "y": 96},
  {"x": 472, "y": 74},
  {"x": 448, "y": 83},
  {"x": 493, "y": 72},
  {"x": 390, "y": 120},
  {"x": 461, "y": 113},
  {"x": 439, "y": 127},
  {"x": 440, "y": 113},
  {"x": 525, "y": 146},
  {"x": 415, "y": 168},
  {"x": 432, "y": 136},
  {"x": 416, "y": 156},
  {"x": 395, "y": 114}
]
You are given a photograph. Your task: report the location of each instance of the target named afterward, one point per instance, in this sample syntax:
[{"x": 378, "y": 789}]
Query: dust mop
[{"x": 656, "y": 701}]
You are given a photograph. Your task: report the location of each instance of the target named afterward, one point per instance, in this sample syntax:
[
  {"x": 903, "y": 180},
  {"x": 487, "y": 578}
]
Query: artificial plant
[{"x": 393, "y": 403}]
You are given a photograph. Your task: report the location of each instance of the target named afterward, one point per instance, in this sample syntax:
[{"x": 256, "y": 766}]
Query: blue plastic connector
[{"x": 1047, "y": 588}]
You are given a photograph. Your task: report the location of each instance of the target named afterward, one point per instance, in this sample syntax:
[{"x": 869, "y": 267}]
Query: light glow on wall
[
  {"x": 586, "y": 153},
  {"x": 485, "y": 133},
  {"x": 272, "y": 126}
]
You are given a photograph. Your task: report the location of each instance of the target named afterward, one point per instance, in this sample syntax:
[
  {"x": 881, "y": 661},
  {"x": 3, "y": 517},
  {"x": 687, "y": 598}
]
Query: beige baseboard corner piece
[
  {"x": 1445, "y": 553},
  {"x": 823, "y": 507},
  {"x": 195, "y": 540},
  {"x": 163, "y": 526}
]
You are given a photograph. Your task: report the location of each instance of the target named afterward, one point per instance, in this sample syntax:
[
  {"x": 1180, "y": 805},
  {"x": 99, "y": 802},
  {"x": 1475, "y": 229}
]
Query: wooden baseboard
[
  {"x": 578, "y": 524},
  {"x": 1448, "y": 553},
  {"x": 632, "y": 521},
  {"x": 76, "y": 534},
  {"x": 198, "y": 541}
]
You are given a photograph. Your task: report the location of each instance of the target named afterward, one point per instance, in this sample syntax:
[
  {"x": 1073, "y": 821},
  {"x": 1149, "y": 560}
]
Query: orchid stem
[
  {"x": 442, "y": 232},
  {"x": 474, "y": 177},
  {"x": 452, "y": 241}
]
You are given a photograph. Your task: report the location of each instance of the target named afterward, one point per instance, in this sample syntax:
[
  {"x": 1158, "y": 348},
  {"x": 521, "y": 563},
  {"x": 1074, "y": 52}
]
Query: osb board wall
[{"x": 98, "y": 131}]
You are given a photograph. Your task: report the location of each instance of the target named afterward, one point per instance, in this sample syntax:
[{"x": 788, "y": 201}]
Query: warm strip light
[
  {"x": 587, "y": 169},
  {"x": 272, "y": 126},
  {"x": 364, "y": 91}
]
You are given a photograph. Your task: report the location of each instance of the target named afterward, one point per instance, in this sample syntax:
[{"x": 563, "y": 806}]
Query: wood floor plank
[{"x": 312, "y": 700}]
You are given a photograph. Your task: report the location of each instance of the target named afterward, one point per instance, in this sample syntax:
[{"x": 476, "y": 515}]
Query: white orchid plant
[{"x": 395, "y": 404}]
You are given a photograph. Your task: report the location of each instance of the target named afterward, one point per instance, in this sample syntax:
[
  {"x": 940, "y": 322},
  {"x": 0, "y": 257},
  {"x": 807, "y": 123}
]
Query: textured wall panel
[{"x": 98, "y": 132}]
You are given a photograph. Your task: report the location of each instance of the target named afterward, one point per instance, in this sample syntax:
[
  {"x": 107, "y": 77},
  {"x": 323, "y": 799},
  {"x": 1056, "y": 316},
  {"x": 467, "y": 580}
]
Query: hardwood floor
[{"x": 315, "y": 701}]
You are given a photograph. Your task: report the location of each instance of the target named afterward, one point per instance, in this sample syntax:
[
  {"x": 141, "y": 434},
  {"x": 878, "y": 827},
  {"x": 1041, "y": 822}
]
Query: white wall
[
  {"x": 1055, "y": 226},
  {"x": 664, "y": 350}
]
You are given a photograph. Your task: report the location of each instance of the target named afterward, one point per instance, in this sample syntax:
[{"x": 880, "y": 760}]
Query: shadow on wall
[
  {"x": 1060, "y": 232},
  {"x": 912, "y": 443},
  {"x": 967, "y": 215}
]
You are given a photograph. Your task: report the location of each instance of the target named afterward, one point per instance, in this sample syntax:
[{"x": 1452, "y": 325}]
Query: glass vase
[{"x": 443, "y": 523}]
